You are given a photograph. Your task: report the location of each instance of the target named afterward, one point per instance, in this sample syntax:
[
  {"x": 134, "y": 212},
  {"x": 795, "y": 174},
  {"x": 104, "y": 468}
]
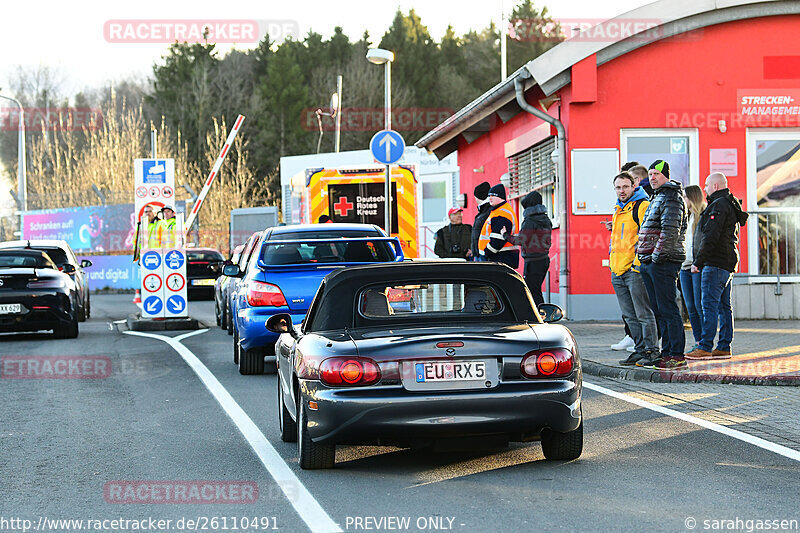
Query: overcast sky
[{"x": 69, "y": 35}]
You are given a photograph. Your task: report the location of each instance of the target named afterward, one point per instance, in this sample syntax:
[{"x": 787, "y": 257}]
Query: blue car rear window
[
  {"x": 277, "y": 253},
  {"x": 322, "y": 234}
]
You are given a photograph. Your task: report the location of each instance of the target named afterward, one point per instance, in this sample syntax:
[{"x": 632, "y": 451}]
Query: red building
[{"x": 706, "y": 85}]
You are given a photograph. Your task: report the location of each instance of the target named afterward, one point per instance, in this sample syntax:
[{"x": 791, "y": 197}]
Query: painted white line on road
[
  {"x": 309, "y": 509},
  {"x": 744, "y": 437}
]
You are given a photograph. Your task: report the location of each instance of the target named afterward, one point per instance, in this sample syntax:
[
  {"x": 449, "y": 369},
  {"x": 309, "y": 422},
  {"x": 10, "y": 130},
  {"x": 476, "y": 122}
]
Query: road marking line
[
  {"x": 309, "y": 509},
  {"x": 750, "y": 439}
]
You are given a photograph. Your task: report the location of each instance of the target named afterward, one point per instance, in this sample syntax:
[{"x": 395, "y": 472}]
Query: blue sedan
[{"x": 284, "y": 274}]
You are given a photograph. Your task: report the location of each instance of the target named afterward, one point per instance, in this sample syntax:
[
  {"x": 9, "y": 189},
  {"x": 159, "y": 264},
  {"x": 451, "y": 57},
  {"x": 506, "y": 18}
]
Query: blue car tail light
[{"x": 260, "y": 294}]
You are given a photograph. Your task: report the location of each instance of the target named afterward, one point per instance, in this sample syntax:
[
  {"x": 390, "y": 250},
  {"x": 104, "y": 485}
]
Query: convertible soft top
[{"x": 341, "y": 287}]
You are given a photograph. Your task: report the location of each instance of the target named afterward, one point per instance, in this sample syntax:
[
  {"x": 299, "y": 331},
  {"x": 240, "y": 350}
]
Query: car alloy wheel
[
  {"x": 312, "y": 456},
  {"x": 288, "y": 427}
]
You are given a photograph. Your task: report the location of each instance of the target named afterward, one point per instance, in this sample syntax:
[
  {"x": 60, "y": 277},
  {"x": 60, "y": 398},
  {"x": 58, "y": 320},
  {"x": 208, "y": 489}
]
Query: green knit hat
[{"x": 662, "y": 166}]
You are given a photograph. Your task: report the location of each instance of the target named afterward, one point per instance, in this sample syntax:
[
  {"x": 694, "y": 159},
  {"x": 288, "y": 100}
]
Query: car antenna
[{"x": 29, "y": 244}]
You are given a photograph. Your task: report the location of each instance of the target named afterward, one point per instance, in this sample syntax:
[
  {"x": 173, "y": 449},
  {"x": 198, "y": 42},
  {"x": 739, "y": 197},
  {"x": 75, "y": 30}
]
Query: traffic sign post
[
  {"x": 163, "y": 273},
  {"x": 387, "y": 147}
]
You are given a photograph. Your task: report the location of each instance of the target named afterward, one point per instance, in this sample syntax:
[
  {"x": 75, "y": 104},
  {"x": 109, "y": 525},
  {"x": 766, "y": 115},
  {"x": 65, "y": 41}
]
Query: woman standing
[{"x": 690, "y": 282}]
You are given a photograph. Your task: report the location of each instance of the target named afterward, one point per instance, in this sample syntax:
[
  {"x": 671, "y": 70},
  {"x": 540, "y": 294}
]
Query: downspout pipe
[{"x": 561, "y": 166}]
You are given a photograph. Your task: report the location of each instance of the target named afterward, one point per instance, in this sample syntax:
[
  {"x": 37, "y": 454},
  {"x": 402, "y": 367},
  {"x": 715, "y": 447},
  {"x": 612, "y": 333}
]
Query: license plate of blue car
[{"x": 444, "y": 371}]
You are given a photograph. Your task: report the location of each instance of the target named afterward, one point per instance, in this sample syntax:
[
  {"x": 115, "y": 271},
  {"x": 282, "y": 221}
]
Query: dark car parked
[
  {"x": 412, "y": 353},
  {"x": 64, "y": 257},
  {"x": 35, "y": 295},
  {"x": 221, "y": 287},
  {"x": 203, "y": 267}
]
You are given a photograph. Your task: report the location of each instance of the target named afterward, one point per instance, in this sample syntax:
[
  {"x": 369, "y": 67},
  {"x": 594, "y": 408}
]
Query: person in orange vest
[{"x": 495, "y": 242}]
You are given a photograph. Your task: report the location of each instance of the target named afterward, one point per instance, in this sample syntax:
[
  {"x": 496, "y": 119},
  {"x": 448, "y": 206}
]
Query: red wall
[{"x": 688, "y": 81}]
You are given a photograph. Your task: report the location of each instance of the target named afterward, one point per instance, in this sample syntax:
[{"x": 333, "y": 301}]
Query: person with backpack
[{"x": 632, "y": 203}]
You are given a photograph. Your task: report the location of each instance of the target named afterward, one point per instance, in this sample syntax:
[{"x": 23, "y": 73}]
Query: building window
[
  {"x": 678, "y": 147},
  {"x": 533, "y": 169},
  {"x": 773, "y": 199}
]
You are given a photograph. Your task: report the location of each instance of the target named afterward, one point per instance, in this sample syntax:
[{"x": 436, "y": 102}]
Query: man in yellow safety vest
[
  {"x": 166, "y": 232},
  {"x": 495, "y": 243}
]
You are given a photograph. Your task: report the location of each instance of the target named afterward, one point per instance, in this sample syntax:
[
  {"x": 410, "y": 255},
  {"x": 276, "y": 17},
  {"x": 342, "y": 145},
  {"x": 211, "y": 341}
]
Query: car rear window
[
  {"x": 277, "y": 253},
  {"x": 11, "y": 260},
  {"x": 436, "y": 298},
  {"x": 322, "y": 234},
  {"x": 208, "y": 256}
]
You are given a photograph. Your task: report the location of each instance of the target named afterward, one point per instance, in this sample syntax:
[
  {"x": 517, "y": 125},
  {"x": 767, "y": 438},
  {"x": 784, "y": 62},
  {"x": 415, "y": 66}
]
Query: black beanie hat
[
  {"x": 482, "y": 190},
  {"x": 662, "y": 166},
  {"x": 498, "y": 190},
  {"x": 531, "y": 199}
]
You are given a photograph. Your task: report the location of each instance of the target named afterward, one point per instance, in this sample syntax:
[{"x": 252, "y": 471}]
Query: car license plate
[
  {"x": 7, "y": 309},
  {"x": 203, "y": 281},
  {"x": 441, "y": 371}
]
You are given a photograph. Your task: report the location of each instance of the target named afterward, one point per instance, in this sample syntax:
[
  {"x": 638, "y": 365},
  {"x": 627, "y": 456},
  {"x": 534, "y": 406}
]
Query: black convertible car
[
  {"x": 414, "y": 353},
  {"x": 35, "y": 296}
]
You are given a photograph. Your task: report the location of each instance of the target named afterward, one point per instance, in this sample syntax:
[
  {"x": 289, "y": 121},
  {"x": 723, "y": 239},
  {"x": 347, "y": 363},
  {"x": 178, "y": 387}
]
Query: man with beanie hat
[
  {"x": 661, "y": 251},
  {"x": 481, "y": 199},
  {"x": 494, "y": 242},
  {"x": 534, "y": 239}
]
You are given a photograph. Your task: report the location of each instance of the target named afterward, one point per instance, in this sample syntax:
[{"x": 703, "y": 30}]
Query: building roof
[{"x": 552, "y": 70}]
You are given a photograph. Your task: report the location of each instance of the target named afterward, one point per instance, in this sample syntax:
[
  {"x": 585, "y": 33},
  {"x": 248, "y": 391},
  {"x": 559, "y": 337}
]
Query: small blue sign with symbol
[
  {"x": 174, "y": 259},
  {"x": 420, "y": 368},
  {"x": 387, "y": 146},
  {"x": 154, "y": 171},
  {"x": 176, "y": 304},
  {"x": 151, "y": 260},
  {"x": 152, "y": 305}
]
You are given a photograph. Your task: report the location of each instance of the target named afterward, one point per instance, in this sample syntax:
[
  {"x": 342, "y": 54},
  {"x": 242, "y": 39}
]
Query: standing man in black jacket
[
  {"x": 661, "y": 251},
  {"x": 535, "y": 238},
  {"x": 716, "y": 258},
  {"x": 482, "y": 200},
  {"x": 453, "y": 240}
]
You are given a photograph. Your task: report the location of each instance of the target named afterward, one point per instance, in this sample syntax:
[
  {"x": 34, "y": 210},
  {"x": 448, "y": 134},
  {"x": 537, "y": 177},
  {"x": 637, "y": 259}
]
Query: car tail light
[
  {"x": 554, "y": 363},
  {"x": 349, "y": 371},
  {"x": 46, "y": 284},
  {"x": 261, "y": 294}
]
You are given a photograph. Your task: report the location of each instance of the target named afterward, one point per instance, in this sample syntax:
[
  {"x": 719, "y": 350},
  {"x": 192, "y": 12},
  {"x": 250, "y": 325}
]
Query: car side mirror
[
  {"x": 550, "y": 312},
  {"x": 231, "y": 271},
  {"x": 86, "y": 263},
  {"x": 281, "y": 323},
  {"x": 68, "y": 268}
]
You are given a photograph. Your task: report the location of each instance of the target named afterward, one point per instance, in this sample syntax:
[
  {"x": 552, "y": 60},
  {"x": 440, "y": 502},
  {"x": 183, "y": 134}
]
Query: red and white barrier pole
[{"x": 212, "y": 176}]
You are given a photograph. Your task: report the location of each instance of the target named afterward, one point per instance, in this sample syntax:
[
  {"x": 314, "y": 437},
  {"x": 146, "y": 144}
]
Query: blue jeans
[
  {"x": 717, "y": 311},
  {"x": 661, "y": 282},
  {"x": 690, "y": 287}
]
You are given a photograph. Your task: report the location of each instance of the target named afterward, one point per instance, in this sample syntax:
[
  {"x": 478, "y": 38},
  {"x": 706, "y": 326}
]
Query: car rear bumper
[
  {"x": 252, "y": 330},
  {"x": 56, "y": 314},
  {"x": 392, "y": 415}
]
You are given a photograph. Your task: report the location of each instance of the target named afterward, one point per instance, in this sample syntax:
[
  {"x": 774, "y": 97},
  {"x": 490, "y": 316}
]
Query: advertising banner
[
  {"x": 86, "y": 229},
  {"x": 112, "y": 272}
]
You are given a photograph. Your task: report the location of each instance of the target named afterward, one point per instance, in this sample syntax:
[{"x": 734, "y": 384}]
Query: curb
[
  {"x": 682, "y": 376},
  {"x": 137, "y": 323}
]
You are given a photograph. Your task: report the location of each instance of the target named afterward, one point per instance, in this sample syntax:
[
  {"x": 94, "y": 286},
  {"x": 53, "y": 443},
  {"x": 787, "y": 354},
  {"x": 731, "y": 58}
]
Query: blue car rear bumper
[{"x": 252, "y": 331}]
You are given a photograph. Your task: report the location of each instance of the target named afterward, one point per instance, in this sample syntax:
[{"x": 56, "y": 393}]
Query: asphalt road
[{"x": 67, "y": 444}]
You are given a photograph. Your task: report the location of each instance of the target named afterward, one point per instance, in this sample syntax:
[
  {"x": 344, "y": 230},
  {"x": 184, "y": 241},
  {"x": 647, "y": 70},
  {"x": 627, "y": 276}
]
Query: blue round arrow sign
[
  {"x": 387, "y": 146},
  {"x": 152, "y": 305}
]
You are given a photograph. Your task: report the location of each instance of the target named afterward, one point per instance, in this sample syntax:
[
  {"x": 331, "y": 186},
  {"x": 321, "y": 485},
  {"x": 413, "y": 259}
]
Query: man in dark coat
[
  {"x": 661, "y": 251},
  {"x": 453, "y": 240},
  {"x": 495, "y": 242},
  {"x": 535, "y": 238},
  {"x": 481, "y": 199},
  {"x": 716, "y": 257}
]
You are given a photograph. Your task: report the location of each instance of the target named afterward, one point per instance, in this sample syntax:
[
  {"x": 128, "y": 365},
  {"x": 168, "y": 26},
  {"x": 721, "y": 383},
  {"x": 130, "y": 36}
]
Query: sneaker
[
  {"x": 623, "y": 345},
  {"x": 631, "y": 348},
  {"x": 720, "y": 354},
  {"x": 672, "y": 363},
  {"x": 649, "y": 362},
  {"x": 698, "y": 354},
  {"x": 632, "y": 358}
]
